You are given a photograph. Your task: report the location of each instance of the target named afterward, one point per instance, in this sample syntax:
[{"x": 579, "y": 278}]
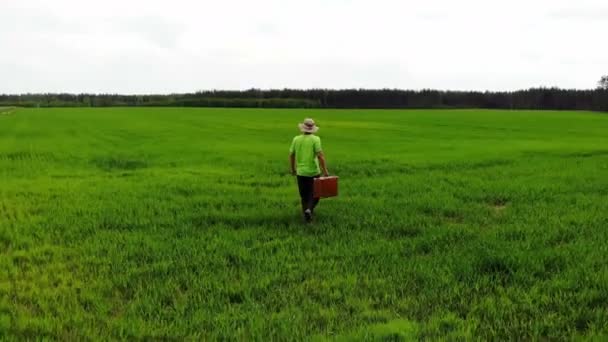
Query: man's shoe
[{"x": 307, "y": 215}]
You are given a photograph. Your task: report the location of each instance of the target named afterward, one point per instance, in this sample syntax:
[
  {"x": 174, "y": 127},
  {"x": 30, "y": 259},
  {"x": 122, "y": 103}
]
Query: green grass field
[
  {"x": 184, "y": 223},
  {"x": 6, "y": 110}
]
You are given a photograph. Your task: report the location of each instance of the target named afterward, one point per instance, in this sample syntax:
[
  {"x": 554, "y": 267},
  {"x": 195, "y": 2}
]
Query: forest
[{"x": 534, "y": 98}]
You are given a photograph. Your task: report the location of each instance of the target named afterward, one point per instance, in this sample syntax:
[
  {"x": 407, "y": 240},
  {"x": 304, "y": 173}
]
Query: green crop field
[
  {"x": 174, "y": 223},
  {"x": 6, "y": 110}
]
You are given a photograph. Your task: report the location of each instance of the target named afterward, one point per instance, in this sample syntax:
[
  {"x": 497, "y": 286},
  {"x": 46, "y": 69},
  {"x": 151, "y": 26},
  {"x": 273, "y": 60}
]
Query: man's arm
[
  {"x": 322, "y": 164},
  {"x": 292, "y": 163}
]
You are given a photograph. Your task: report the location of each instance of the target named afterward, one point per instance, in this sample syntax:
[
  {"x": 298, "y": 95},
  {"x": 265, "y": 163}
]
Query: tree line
[{"x": 534, "y": 98}]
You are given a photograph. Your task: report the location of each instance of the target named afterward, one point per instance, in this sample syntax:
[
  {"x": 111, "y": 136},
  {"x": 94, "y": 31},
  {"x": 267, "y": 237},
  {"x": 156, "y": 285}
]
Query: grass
[
  {"x": 183, "y": 223},
  {"x": 6, "y": 110}
]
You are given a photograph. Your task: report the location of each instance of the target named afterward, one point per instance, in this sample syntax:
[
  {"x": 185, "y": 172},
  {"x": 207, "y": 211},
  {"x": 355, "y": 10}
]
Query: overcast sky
[{"x": 153, "y": 46}]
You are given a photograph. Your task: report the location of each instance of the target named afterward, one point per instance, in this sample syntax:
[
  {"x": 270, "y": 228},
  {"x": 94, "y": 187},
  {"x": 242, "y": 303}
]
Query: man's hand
[
  {"x": 323, "y": 165},
  {"x": 292, "y": 163}
]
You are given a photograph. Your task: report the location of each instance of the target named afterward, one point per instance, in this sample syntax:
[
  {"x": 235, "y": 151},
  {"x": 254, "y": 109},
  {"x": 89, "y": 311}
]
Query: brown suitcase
[{"x": 326, "y": 187}]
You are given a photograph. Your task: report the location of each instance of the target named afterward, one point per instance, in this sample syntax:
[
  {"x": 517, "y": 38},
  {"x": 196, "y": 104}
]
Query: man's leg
[
  {"x": 309, "y": 186},
  {"x": 302, "y": 190},
  {"x": 305, "y": 185},
  {"x": 314, "y": 203},
  {"x": 315, "y": 200}
]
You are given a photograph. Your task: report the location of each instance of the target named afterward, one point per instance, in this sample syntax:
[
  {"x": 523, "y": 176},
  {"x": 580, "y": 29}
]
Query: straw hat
[{"x": 308, "y": 126}]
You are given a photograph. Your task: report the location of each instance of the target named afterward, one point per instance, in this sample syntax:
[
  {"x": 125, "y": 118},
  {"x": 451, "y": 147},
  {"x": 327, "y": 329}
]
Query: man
[{"x": 305, "y": 155}]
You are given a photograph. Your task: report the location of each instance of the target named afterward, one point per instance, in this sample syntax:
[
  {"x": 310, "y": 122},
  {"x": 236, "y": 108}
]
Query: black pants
[{"x": 306, "y": 185}]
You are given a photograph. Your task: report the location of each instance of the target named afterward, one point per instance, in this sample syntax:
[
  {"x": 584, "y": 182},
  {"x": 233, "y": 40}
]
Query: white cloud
[{"x": 177, "y": 46}]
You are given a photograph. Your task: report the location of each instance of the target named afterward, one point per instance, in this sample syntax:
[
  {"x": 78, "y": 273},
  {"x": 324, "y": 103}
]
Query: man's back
[{"x": 306, "y": 147}]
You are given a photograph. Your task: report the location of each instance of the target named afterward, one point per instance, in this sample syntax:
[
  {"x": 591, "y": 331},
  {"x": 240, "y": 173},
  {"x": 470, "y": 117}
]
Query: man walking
[{"x": 305, "y": 156}]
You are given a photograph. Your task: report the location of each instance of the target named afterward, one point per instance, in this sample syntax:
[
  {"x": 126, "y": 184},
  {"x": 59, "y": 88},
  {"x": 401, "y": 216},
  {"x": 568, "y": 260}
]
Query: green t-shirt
[{"x": 306, "y": 147}]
